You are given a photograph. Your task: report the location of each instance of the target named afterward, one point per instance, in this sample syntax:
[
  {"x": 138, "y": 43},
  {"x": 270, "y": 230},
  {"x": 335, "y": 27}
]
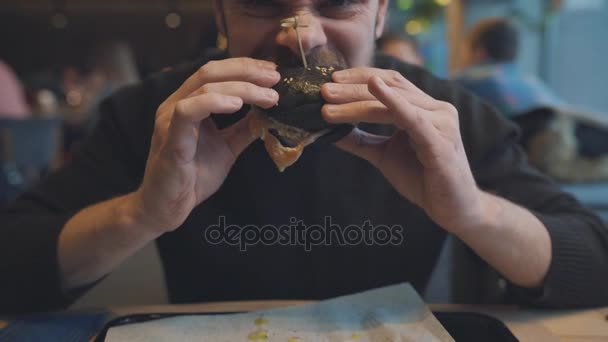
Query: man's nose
[{"x": 310, "y": 30}]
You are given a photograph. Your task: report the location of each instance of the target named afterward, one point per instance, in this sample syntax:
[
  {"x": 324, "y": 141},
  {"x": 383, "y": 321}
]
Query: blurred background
[{"x": 60, "y": 58}]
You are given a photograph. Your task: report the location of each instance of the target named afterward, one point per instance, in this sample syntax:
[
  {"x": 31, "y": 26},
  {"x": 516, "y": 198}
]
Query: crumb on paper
[
  {"x": 258, "y": 335},
  {"x": 261, "y": 321}
]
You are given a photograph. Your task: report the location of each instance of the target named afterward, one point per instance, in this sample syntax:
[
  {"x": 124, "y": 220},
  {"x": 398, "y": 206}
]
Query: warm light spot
[
  {"x": 59, "y": 21},
  {"x": 222, "y": 42},
  {"x": 293, "y": 339},
  {"x": 443, "y": 2},
  {"x": 413, "y": 27},
  {"x": 405, "y": 5},
  {"x": 355, "y": 336},
  {"x": 74, "y": 98},
  {"x": 173, "y": 20}
]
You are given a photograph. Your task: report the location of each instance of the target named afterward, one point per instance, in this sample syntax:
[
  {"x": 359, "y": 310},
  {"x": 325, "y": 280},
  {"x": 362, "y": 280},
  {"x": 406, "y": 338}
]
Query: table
[
  {"x": 543, "y": 325},
  {"x": 527, "y": 325}
]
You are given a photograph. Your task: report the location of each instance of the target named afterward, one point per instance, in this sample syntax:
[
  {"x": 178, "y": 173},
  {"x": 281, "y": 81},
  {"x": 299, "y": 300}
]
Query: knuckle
[
  {"x": 395, "y": 77},
  {"x": 158, "y": 126},
  {"x": 203, "y": 71},
  {"x": 161, "y": 125},
  {"x": 248, "y": 65},
  {"x": 206, "y": 88},
  {"x": 359, "y": 107},
  {"x": 181, "y": 108},
  {"x": 448, "y": 108},
  {"x": 162, "y": 109},
  {"x": 361, "y": 91},
  {"x": 419, "y": 117},
  {"x": 179, "y": 153}
]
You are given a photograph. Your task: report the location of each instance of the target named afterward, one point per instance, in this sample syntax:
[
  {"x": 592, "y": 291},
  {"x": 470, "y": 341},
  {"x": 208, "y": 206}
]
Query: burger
[{"x": 296, "y": 121}]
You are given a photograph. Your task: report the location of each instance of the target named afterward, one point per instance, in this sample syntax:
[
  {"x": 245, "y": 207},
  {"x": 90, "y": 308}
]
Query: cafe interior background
[{"x": 70, "y": 54}]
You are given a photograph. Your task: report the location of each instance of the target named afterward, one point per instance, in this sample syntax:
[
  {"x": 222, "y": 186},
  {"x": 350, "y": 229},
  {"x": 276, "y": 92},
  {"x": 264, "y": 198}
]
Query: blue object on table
[{"x": 64, "y": 327}]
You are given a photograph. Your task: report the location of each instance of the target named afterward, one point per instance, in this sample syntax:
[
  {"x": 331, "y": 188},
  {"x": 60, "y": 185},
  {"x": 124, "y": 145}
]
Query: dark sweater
[{"x": 325, "y": 182}]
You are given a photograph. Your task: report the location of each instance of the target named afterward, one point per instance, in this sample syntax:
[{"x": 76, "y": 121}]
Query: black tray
[{"x": 463, "y": 326}]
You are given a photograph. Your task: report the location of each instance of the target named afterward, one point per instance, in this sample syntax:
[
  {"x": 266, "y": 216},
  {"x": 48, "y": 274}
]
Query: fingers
[
  {"x": 197, "y": 108},
  {"x": 345, "y": 93},
  {"x": 362, "y": 75},
  {"x": 338, "y": 93},
  {"x": 360, "y": 111},
  {"x": 262, "y": 73},
  {"x": 416, "y": 121},
  {"x": 364, "y": 145},
  {"x": 248, "y": 92},
  {"x": 182, "y": 132},
  {"x": 375, "y": 111}
]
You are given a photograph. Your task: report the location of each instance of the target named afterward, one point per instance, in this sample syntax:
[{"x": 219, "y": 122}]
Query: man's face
[{"x": 336, "y": 32}]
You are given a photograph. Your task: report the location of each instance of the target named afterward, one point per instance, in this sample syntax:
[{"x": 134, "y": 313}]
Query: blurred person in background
[
  {"x": 557, "y": 142},
  {"x": 110, "y": 66},
  {"x": 13, "y": 102},
  {"x": 402, "y": 46},
  {"x": 13, "y": 105}
]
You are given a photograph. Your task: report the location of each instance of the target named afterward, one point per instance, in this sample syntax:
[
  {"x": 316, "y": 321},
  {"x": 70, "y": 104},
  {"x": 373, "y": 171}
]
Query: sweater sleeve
[
  {"x": 579, "y": 239},
  {"x": 577, "y": 275},
  {"x": 30, "y": 226}
]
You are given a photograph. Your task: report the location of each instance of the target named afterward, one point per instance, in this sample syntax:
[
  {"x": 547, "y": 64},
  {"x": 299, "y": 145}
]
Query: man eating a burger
[{"x": 178, "y": 156}]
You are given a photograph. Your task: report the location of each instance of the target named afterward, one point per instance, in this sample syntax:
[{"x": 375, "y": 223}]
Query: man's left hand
[{"x": 424, "y": 160}]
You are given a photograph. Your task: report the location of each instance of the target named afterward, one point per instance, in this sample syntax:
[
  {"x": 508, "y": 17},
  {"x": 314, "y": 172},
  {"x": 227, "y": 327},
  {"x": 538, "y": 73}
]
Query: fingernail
[
  {"x": 271, "y": 93},
  {"x": 273, "y": 74},
  {"x": 235, "y": 101},
  {"x": 330, "y": 88},
  {"x": 341, "y": 75},
  {"x": 268, "y": 65},
  {"x": 330, "y": 109}
]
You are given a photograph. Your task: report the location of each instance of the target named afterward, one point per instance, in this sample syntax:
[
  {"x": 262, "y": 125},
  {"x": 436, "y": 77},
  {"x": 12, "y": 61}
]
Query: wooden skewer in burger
[{"x": 296, "y": 121}]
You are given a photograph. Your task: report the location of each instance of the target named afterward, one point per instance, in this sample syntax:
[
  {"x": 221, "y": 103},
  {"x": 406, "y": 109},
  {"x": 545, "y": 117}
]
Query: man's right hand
[{"x": 189, "y": 156}]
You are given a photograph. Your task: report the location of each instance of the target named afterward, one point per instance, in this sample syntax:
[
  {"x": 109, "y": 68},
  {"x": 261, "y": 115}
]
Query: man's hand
[
  {"x": 425, "y": 159},
  {"x": 426, "y": 162},
  {"x": 189, "y": 156},
  {"x": 188, "y": 160}
]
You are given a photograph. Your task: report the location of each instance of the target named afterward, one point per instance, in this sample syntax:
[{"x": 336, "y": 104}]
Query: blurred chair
[
  {"x": 27, "y": 149},
  {"x": 594, "y": 196}
]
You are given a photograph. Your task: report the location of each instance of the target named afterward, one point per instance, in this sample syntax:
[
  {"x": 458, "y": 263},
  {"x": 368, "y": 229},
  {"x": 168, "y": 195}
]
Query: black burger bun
[{"x": 300, "y": 102}]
